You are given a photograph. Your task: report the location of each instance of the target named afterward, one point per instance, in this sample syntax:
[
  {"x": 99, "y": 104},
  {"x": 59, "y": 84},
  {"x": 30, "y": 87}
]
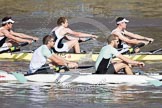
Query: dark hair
[
  {"x": 119, "y": 19},
  {"x": 5, "y": 19},
  {"x": 111, "y": 38},
  {"x": 61, "y": 20},
  {"x": 47, "y": 38}
]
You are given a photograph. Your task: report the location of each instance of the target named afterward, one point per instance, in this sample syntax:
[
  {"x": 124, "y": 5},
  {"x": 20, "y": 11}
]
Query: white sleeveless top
[
  {"x": 59, "y": 45},
  {"x": 122, "y": 46}
]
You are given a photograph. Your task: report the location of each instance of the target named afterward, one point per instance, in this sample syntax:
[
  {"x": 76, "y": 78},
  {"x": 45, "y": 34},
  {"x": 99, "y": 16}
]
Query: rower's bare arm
[
  {"x": 68, "y": 37},
  {"x": 57, "y": 60},
  {"x": 137, "y": 36},
  {"x": 126, "y": 39},
  {"x": 79, "y": 34},
  {"x": 60, "y": 61},
  {"x": 14, "y": 38},
  {"x": 129, "y": 61},
  {"x": 22, "y": 35}
]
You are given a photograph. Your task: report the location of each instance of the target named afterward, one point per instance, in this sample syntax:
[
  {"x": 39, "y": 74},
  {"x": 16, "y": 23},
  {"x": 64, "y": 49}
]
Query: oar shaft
[
  {"x": 85, "y": 67},
  {"x": 88, "y": 39},
  {"x": 23, "y": 44}
]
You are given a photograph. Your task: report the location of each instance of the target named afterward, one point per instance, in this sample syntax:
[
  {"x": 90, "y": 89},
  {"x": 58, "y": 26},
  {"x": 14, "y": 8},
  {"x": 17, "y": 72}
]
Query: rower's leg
[
  {"x": 128, "y": 70},
  {"x": 74, "y": 44},
  {"x": 5, "y": 46},
  {"x": 119, "y": 66}
]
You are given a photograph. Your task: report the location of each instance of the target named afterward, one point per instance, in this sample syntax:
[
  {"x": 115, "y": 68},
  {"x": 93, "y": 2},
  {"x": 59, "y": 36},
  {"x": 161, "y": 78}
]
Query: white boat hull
[{"x": 85, "y": 78}]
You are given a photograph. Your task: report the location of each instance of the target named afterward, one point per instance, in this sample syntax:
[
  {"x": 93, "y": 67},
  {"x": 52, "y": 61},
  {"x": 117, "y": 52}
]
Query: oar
[
  {"x": 85, "y": 67},
  {"x": 156, "y": 82},
  {"x": 151, "y": 51},
  {"x": 139, "y": 45},
  {"x": 132, "y": 49},
  {"x": 88, "y": 39},
  {"x": 59, "y": 68},
  {"x": 155, "y": 51},
  {"x": 20, "y": 77},
  {"x": 15, "y": 48},
  {"x": 67, "y": 68}
]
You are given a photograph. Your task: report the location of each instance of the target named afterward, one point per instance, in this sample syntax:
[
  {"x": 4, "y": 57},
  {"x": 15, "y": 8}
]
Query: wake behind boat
[
  {"x": 86, "y": 78},
  {"x": 26, "y": 56}
]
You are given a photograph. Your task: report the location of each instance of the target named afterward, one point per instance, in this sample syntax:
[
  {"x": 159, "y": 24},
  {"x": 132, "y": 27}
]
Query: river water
[{"x": 38, "y": 17}]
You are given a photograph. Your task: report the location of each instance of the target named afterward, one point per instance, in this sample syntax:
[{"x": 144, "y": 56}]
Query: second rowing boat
[{"x": 76, "y": 57}]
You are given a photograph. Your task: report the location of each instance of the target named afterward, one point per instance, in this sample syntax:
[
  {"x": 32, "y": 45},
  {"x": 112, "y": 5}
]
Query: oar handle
[
  {"x": 84, "y": 67},
  {"x": 23, "y": 44},
  {"x": 139, "y": 45},
  {"x": 84, "y": 40}
]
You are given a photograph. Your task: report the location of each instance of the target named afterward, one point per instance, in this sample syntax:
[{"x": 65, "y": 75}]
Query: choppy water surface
[
  {"x": 38, "y": 17},
  {"x": 41, "y": 95}
]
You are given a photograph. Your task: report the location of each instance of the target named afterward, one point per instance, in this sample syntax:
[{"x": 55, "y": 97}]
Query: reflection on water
[{"x": 50, "y": 95}]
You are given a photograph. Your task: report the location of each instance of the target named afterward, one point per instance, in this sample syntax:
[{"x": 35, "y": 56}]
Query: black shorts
[
  {"x": 46, "y": 70},
  {"x": 111, "y": 69}
]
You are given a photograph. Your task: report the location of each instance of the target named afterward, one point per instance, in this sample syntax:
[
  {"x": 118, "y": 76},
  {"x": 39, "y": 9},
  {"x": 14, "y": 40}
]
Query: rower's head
[
  {"x": 113, "y": 40},
  {"x": 62, "y": 21},
  {"x": 121, "y": 21},
  {"x": 49, "y": 40},
  {"x": 7, "y": 21}
]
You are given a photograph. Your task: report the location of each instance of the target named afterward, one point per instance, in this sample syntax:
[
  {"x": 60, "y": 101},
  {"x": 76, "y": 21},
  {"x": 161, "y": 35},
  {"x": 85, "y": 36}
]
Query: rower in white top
[
  {"x": 6, "y": 32},
  {"x": 127, "y": 39},
  {"x": 62, "y": 32}
]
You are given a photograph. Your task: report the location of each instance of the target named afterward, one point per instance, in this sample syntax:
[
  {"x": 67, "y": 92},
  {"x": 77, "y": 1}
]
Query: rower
[
  {"x": 127, "y": 39},
  {"x": 13, "y": 37},
  {"x": 62, "y": 32},
  {"x": 104, "y": 63},
  {"x": 44, "y": 58}
]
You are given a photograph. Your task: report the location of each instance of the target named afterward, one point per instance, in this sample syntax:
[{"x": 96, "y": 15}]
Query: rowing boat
[
  {"x": 25, "y": 56},
  {"x": 85, "y": 78}
]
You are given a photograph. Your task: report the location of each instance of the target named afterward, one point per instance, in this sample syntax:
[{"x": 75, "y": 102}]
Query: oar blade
[
  {"x": 20, "y": 77},
  {"x": 156, "y": 83}
]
